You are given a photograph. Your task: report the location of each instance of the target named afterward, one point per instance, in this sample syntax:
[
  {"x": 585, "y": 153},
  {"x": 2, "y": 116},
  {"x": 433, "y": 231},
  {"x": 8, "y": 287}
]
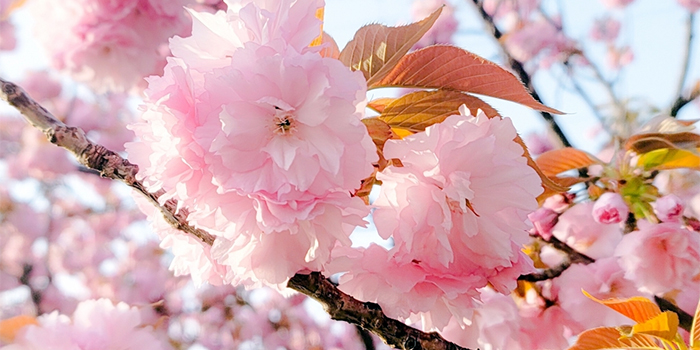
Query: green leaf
[
  {"x": 376, "y": 48},
  {"x": 665, "y": 158}
]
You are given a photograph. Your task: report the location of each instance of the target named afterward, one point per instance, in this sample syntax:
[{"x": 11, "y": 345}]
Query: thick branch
[
  {"x": 369, "y": 316},
  {"x": 546, "y": 274},
  {"x": 684, "y": 318},
  {"x": 111, "y": 165},
  {"x": 519, "y": 69},
  {"x": 97, "y": 157}
]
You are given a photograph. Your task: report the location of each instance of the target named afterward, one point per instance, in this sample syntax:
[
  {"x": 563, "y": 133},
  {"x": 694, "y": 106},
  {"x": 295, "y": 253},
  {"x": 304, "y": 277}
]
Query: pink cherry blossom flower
[
  {"x": 669, "y": 208},
  {"x": 7, "y": 36},
  {"x": 603, "y": 279},
  {"x": 618, "y": 57},
  {"x": 578, "y": 228},
  {"x": 456, "y": 211},
  {"x": 660, "y": 257},
  {"x": 95, "y": 324},
  {"x": 91, "y": 39},
  {"x": 543, "y": 220},
  {"x": 265, "y": 149},
  {"x": 610, "y": 208}
]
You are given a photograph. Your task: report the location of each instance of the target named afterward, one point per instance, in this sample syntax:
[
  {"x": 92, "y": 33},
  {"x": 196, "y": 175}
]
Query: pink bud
[
  {"x": 610, "y": 208},
  {"x": 543, "y": 220},
  {"x": 669, "y": 208}
]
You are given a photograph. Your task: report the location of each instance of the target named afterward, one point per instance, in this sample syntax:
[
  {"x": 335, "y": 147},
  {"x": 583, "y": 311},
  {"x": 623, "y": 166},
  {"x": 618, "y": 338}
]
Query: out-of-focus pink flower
[
  {"x": 616, "y": 3},
  {"x": 669, "y": 208},
  {"x": 507, "y": 8},
  {"x": 538, "y": 143},
  {"x": 618, "y": 57},
  {"x": 610, "y": 208},
  {"x": 603, "y": 279},
  {"x": 547, "y": 328},
  {"x": 93, "y": 40},
  {"x": 95, "y": 324},
  {"x": 660, "y": 257},
  {"x": 690, "y": 5},
  {"x": 537, "y": 38},
  {"x": 578, "y": 229},
  {"x": 7, "y": 36},
  {"x": 442, "y": 30},
  {"x": 456, "y": 211},
  {"x": 41, "y": 86},
  {"x": 605, "y": 29},
  {"x": 543, "y": 220}
]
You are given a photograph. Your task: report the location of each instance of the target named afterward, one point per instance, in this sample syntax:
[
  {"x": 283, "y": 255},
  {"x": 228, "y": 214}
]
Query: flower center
[{"x": 284, "y": 122}]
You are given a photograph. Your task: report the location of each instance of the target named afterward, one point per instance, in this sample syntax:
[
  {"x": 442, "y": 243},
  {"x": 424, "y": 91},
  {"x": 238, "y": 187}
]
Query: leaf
[
  {"x": 611, "y": 338},
  {"x": 547, "y": 183},
  {"x": 418, "y": 110},
  {"x": 376, "y": 48},
  {"x": 11, "y": 326},
  {"x": 379, "y": 131},
  {"x": 695, "y": 329},
  {"x": 380, "y": 103},
  {"x": 663, "y": 326},
  {"x": 638, "y": 309},
  {"x": 560, "y": 160},
  {"x": 643, "y": 143},
  {"x": 664, "y": 159},
  {"x": 449, "y": 67},
  {"x": 331, "y": 49}
]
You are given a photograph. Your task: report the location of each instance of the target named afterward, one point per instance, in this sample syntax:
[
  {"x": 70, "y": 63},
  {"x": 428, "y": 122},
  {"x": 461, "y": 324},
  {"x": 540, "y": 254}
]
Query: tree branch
[
  {"x": 520, "y": 71},
  {"x": 97, "y": 157},
  {"x": 109, "y": 164},
  {"x": 546, "y": 274},
  {"x": 367, "y": 315}
]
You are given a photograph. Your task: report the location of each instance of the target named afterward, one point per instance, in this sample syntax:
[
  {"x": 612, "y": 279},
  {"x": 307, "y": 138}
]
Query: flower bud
[
  {"x": 610, "y": 208},
  {"x": 669, "y": 208}
]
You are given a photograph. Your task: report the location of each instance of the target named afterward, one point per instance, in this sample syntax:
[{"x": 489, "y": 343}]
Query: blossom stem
[{"x": 680, "y": 100}]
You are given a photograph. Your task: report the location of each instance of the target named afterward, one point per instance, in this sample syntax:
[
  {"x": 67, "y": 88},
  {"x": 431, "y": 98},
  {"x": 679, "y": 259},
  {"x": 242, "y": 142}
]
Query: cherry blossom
[{"x": 610, "y": 208}]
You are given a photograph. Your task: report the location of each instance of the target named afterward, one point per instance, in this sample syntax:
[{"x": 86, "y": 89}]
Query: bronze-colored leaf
[
  {"x": 418, "y": 110},
  {"x": 379, "y": 131},
  {"x": 611, "y": 338},
  {"x": 376, "y": 48},
  {"x": 643, "y": 143},
  {"x": 319, "y": 39},
  {"x": 449, "y": 67},
  {"x": 331, "y": 49},
  {"x": 557, "y": 161},
  {"x": 639, "y": 309},
  {"x": 380, "y": 103}
]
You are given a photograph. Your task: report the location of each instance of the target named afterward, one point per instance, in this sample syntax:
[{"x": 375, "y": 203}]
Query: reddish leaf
[
  {"x": 379, "y": 131},
  {"x": 331, "y": 50},
  {"x": 558, "y": 161},
  {"x": 611, "y": 338},
  {"x": 643, "y": 143},
  {"x": 376, "y": 49},
  {"x": 449, "y": 67},
  {"x": 695, "y": 329},
  {"x": 380, "y": 103},
  {"x": 418, "y": 110}
]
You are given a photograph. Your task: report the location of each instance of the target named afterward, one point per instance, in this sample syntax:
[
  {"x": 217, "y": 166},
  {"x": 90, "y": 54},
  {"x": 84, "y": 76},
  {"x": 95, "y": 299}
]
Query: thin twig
[
  {"x": 546, "y": 274},
  {"x": 685, "y": 319},
  {"x": 109, "y": 164},
  {"x": 519, "y": 69}
]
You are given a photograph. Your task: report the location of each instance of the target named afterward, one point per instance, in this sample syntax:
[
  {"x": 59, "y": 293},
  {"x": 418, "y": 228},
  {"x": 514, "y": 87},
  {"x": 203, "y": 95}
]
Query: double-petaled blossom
[
  {"x": 260, "y": 137},
  {"x": 660, "y": 258},
  {"x": 456, "y": 211},
  {"x": 610, "y": 208}
]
